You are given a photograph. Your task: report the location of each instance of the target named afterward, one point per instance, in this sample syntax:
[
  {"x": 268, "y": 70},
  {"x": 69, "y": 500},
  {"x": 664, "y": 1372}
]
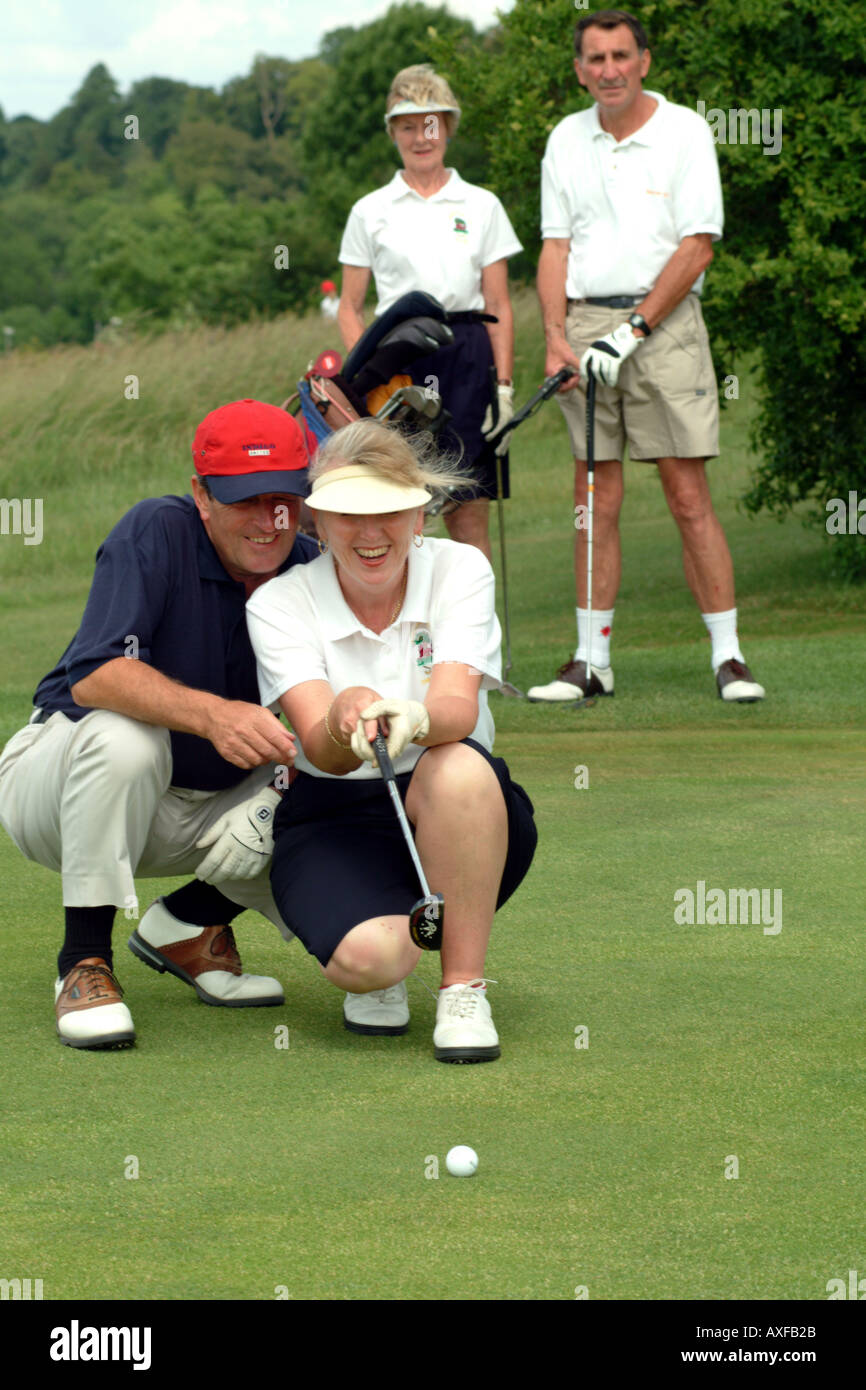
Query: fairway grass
[{"x": 308, "y": 1170}]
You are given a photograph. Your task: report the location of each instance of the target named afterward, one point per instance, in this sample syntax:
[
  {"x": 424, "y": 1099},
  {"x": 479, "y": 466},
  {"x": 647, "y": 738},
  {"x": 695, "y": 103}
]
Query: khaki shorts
[{"x": 666, "y": 402}]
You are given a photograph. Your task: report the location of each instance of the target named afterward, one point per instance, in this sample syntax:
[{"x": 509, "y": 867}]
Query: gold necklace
[{"x": 399, "y": 604}]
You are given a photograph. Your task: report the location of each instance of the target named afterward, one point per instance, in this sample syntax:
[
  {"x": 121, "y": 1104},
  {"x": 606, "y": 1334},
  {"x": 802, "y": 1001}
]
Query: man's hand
[
  {"x": 505, "y": 400},
  {"x": 606, "y": 355},
  {"x": 407, "y": 720},
  {"x": 248, "y": 735},
  {"x": 557, "y": 355},
  {"x": 242, "y": 840}
]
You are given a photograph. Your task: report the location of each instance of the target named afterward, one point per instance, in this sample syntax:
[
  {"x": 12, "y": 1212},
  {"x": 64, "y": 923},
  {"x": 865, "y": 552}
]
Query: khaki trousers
[{"x": 92, "y": 800}]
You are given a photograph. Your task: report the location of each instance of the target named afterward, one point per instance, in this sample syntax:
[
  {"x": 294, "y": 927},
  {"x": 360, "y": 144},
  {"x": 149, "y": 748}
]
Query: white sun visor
[{"x": 411, "y": 108}]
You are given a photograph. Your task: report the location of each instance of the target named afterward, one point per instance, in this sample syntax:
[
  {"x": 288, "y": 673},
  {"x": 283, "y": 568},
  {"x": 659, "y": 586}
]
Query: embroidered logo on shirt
[
  {"x": 424, "y": 653},
  {"x": 460, "y": 226}
]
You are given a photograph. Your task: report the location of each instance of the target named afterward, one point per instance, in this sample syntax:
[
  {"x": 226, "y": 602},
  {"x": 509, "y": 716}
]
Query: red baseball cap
[{"x": 249, "y": 448}]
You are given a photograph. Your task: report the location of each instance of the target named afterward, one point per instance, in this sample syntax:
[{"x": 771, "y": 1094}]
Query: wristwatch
[{"x": 638, "y": 321}]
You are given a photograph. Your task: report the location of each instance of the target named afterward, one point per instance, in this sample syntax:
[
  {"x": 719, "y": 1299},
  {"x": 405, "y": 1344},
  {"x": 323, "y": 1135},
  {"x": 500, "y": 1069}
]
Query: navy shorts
[
  {"x": 462, "y": 371},
  {"x": 340, "y": 857}
]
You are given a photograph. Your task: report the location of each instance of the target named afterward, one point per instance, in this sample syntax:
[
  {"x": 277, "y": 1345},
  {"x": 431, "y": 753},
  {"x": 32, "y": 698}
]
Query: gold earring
[
  {"x": 418, "y": 539},
  {"x": 323, "y": 548}
]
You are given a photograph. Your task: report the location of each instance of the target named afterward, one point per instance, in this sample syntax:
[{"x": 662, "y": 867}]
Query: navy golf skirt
[
  {"x": 462, "y": 377},
  {"x": 340, "y": 857}
]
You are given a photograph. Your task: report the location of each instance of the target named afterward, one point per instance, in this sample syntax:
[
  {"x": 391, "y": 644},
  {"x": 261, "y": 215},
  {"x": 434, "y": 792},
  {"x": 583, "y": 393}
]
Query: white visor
[
  {"x": 411, "y": 108},
  {"x": 361, "y": 491}
]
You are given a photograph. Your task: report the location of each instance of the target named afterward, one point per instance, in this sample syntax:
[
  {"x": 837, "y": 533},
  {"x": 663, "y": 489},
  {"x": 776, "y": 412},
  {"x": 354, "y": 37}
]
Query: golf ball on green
[{"x": 461, "y": 1161}]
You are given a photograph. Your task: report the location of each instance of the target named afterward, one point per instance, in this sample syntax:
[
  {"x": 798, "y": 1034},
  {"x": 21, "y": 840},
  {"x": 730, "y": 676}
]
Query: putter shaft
[
  {"x": 386, "y": 767},
  {"x": 410, "y": 839}
]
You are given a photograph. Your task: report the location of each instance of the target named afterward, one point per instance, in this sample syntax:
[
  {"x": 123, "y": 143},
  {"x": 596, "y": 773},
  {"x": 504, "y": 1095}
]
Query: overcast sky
[{"x": 47, "y": 47}]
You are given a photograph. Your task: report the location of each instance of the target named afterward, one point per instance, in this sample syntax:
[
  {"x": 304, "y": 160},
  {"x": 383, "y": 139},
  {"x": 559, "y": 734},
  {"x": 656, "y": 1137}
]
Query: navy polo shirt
[{"x": 160, "y": 594}]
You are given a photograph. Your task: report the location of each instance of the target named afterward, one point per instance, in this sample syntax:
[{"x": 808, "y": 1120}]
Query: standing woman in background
[{"x": 429, "y": 230}]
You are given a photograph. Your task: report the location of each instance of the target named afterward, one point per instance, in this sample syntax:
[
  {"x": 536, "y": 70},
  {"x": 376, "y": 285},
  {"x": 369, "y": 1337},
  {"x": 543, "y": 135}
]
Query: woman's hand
[
  {"x": 407, "y": 721},
  {"x": 346, "y": 715}
]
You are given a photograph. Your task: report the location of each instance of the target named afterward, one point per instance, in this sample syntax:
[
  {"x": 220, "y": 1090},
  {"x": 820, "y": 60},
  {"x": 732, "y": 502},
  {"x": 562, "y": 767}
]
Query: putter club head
[
  {"x": 425, "y": 922},
  {"x": 506, "y": 688}
]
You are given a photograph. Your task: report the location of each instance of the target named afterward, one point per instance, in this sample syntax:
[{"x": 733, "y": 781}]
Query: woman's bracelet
[{"x": 345, "y": 746}]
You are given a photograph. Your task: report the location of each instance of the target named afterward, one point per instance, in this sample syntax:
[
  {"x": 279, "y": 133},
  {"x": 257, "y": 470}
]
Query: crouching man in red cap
[{"x": 148, "y": 753}]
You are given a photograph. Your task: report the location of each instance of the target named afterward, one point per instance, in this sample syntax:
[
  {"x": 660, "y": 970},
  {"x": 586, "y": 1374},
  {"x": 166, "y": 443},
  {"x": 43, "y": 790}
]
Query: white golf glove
[
  {"x": 505, "y": 397},
  {"x": 407, "y": 720},
  {"x": 606, "y": 355},
  {"x": 242, "y": 839}
]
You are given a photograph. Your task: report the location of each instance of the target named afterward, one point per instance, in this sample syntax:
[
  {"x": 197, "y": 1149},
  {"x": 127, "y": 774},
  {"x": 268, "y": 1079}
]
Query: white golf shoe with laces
[
  {"x": 464, "y": 1029},
  {"x": 382, "y": 1012}
]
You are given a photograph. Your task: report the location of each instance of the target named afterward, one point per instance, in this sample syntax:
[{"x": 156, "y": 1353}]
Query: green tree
[
  {"x": 27, "y": 156},
  {"x": 789, "y": 279},
  {"x": 89, "y": 131},
  {"x": 158, "y": 103},
  {"x": 206, "y": 153}
]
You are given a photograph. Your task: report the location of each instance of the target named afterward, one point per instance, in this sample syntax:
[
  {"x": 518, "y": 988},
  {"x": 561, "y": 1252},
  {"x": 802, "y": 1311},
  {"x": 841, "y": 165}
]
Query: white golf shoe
[
  {"x": 571, "y": 683},
  {"x": 382, "y": 1012},
  {"x": 88, "y": 1005},
  {"x": 464, "y": 1029},
  {"x": 204, "y": 957}
]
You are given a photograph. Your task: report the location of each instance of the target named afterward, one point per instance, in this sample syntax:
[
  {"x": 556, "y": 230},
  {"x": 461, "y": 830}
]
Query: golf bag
[{"x": 372, "y": 381}]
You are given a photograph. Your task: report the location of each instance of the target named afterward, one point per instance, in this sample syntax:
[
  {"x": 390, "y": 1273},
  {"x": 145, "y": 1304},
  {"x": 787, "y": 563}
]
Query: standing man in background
[
  {"x": 330, "y": 301},
  {"x": 631, "y": 203}
]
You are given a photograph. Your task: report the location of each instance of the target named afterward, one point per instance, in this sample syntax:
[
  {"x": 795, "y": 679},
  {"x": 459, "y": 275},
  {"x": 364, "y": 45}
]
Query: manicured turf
[{"x": 305, "y": 1168}]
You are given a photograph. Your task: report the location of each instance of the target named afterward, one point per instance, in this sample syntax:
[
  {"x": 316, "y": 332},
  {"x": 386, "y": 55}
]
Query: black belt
[
  {"x": 612, "y": 301},
  {"x": 470, "y": 316}
]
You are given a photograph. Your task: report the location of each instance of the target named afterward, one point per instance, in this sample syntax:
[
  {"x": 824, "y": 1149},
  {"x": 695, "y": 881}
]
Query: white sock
[
  {"x": 722, "y": 628},
  {"x": 602, "y": 622}
]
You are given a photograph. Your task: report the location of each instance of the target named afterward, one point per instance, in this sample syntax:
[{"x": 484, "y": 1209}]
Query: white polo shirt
[
  {"x": 302, "y": 629},
  {"x": 438, "y": 244},
  {"x": 627, "y": 205}
]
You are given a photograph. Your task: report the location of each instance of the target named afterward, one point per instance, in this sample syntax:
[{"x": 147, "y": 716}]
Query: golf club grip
[
  {"x": 551, "y": 384},
  {"x": 386, "y": 767}
]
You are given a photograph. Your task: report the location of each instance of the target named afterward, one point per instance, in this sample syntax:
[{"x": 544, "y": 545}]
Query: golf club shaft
[
  {"x": 590, "y": 491},
  {"x": 386, "y": 767},
  {"x": 503, "y": 564}
]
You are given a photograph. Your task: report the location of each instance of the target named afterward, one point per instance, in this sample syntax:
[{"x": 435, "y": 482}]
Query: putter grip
[{"x": 386, "y": 767}]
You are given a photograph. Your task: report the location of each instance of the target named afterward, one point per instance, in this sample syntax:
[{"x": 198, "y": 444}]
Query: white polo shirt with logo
[
  {"x": 302, "y": 629},
  {"x": 626, "y": 205},
  {"x": 438, "y": 244}
]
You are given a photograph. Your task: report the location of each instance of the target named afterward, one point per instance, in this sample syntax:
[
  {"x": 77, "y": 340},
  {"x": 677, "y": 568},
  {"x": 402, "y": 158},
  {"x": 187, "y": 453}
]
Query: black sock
[
  {"x": 88, "y": 933},
  {"x": 202, "y": 905}
]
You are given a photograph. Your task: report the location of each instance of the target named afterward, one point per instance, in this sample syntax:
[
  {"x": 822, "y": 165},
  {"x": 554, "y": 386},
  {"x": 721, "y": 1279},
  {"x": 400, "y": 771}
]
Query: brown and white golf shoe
[
  {"x": 571, "y": 683},
  {"x": 90, "y": 1009},
  {"x": 204, "y": 957},
  {"x": 734, "y": 681}
]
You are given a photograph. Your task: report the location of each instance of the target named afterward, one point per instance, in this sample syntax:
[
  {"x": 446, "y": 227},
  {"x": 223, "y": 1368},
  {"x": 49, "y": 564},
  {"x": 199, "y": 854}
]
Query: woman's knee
[
  {"x": 373, "y": 955},
  {"x": 454, "y": 773}
]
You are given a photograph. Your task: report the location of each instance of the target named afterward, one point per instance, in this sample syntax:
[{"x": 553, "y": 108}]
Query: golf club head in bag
[{"x": 427, "y": 916}]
